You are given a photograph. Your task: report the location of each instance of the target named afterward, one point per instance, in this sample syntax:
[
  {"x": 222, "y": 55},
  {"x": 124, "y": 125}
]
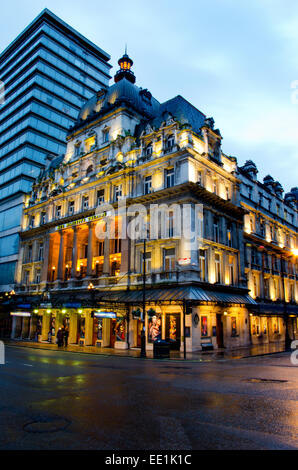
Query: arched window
[{"x": 89, "y": 170}]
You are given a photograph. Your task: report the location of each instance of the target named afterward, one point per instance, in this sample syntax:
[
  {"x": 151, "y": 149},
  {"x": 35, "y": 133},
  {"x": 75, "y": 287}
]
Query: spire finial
[{"x": 125, "y": 68}]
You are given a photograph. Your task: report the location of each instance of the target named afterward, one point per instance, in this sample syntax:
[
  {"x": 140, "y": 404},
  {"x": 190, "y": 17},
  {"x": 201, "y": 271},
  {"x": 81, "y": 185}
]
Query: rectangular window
[
  {"x": 37, "y": 276},
  {"x": 215, "y": 230},
  {"x": 100, "y": 197},
  {"x": 117, "y": 192},
  {"x": 105, "y": 136},
  {"x": 58, "y": 211},
  {"x": 40, "y": 252},
  {"x": 43, "y": 218},
  {"x": 217, "y": 268},
  {"x": 266, "y": 288},
  {"x": 71, "y": 206},
  {"x": 169, "y": 259},
  {"x": 31, "y": 221},
  {"x": 147, "y": 184},
  {"x": 147, "y": 262},
  {"x": 169, "y": 178},
  {"x": 85, "y": 203},
  {"x": 170, "y": 224},
  {"x": 229, "y": 235},
  {"x": 231, "y": 270},
  {"x": 200, "y": 178},
  {"x": 26, "y": 277},
  {"x": 29, "y": 253}
]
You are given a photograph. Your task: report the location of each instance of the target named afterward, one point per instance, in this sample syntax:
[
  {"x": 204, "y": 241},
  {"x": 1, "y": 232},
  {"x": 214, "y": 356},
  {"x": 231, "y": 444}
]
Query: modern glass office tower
[{"x": 47, "y": 74}]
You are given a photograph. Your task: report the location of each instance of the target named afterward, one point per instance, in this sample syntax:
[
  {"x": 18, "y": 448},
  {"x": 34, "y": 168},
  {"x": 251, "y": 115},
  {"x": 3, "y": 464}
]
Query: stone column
[
  {"x": 45, "y": 327},
  {"x": 74, "y": 253},
  {"x": 13, "y": 327},
  {"x": 88, "y": 329},
  {"x": 61, "y": 256},
  {"x": 90, "y": 249},
  {"x": 73, "y": 328},
  {"x": 18, "y": 276},
  {"x": 125, "y": 261},
  {"x": 106, "y": 262},
  {"x": 45, "y": 263}
]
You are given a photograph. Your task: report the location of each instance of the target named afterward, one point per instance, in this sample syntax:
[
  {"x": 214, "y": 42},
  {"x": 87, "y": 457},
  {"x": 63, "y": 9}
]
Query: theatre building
[
  {"x": 104, "y": 230},
  {"x": 270, "y": 254}
]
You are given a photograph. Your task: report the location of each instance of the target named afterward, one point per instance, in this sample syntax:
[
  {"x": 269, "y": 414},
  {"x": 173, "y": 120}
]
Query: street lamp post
[
  {"x": 285, "y": 312},
  {"x": 143, "y": 335}
]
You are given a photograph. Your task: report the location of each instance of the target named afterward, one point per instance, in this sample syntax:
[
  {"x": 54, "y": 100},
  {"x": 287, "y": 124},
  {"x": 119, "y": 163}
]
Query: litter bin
[{"x": 161, "y": 349}]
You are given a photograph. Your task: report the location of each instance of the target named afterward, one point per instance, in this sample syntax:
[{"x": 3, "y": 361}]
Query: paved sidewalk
[{"x": 199, "y": 356}]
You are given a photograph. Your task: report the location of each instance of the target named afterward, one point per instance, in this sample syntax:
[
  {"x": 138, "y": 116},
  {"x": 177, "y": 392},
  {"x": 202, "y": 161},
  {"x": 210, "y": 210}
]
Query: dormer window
[
  {"x": 90, "y": 144},
  {"x": 77, "y": 149},
  {"x": 149, "y": 150},
  {"x": 105, "y": 135},
  {"x": 170, "y": 142},
  {"x": 31, "y": 221}
]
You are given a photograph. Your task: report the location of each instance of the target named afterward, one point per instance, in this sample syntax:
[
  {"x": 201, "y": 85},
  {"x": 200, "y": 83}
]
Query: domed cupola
[{"x": 125, "y": 69}]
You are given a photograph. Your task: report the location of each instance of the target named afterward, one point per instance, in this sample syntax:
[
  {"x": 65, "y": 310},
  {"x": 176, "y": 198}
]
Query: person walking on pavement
[
  {"x": 60, "y": 338},
  {"x": 66, "y": 334}
]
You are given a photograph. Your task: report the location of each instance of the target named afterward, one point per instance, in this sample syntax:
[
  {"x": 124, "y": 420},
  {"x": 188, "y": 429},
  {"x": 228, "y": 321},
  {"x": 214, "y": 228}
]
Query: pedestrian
[
  {"x": 60, "y": 338},
  {"x": 50, "y": 336},
  {"x": 66, "y": 334}
]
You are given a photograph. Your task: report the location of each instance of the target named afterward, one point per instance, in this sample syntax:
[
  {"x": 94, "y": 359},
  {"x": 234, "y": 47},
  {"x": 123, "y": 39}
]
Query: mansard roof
[
  {"x": 122, "y": 92},
  {"x": 180, "y": 110}
]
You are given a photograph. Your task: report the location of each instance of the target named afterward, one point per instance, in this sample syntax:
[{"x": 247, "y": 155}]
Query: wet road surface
[{"x": 53, "y": 400}]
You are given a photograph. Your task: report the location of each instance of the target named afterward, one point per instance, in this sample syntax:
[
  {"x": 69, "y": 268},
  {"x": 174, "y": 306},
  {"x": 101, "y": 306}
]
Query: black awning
[{"x": 178, "y": 294}]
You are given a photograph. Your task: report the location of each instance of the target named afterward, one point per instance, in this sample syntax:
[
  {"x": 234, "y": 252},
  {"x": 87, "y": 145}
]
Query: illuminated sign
[
  {"x": 105, "y": 314},
  {"x": 20, "y": 314},
  {"x": 80, "y": 221}
]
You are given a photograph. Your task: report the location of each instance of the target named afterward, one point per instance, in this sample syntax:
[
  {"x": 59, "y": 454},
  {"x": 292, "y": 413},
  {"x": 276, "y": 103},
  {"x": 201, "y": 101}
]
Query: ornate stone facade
[{"x": 127, "y": 148}]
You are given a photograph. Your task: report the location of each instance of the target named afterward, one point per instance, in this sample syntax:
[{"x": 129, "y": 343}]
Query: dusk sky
[{"x": 233, "y": 60}]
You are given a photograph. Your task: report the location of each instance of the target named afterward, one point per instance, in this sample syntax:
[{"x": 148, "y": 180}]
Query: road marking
[{"x": 28, "y": 365}]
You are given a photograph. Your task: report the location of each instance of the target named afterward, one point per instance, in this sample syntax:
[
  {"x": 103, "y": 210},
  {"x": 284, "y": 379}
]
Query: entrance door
[
  {"x": 219, "y": 331},
  {"x": 25, "y": 327},
  {"x": 18, "y": 327},
  {"x": 113, "y": 333},
  {"x": 81, "y": 328},
  {"x": 139, "y": 333},
  {"x": 173, "y": 335}
]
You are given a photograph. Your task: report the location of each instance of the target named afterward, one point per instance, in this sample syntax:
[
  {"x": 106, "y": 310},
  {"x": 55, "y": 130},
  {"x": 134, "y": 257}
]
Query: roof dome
[{"x": 124, "y": 91}]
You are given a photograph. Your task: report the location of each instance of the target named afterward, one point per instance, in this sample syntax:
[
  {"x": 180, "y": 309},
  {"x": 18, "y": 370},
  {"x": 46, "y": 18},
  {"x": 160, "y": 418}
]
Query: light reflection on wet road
[{"x": 56, "y": 400}]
